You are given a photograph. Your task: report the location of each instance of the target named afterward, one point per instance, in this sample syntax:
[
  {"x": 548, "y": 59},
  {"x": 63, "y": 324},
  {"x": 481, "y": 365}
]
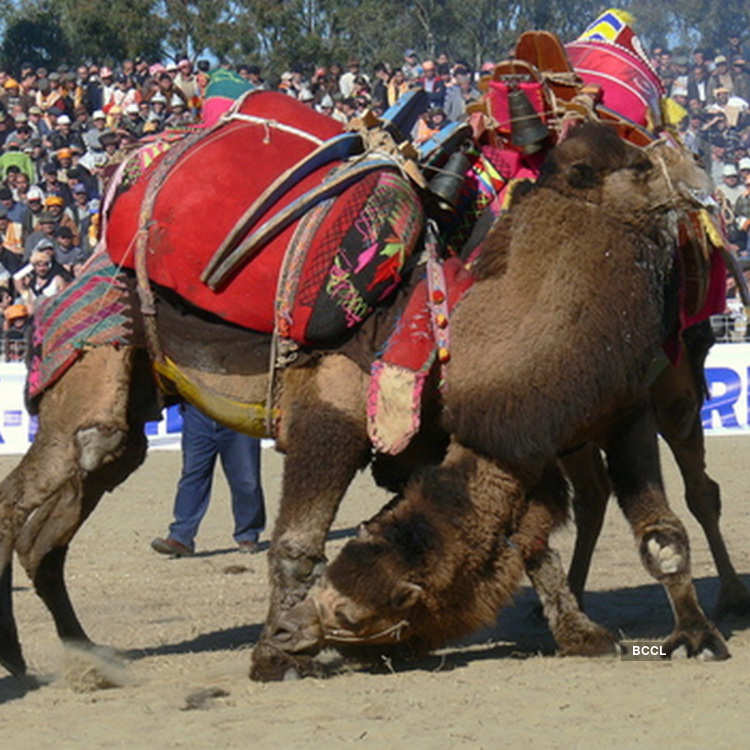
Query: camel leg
[
  {"x": 325, "y": 445},
  {"x": 677, "y": 397},
  {"x": 47, "y": 571},
  {"x": 588, "y": 475},
  {"x": 11, "y": 656},
  {"x": 574, "y": 632},
  {"x": 84, "y": 446},
  {"x": 633, "y": 461},
  {"x": 703, "y": 499}
]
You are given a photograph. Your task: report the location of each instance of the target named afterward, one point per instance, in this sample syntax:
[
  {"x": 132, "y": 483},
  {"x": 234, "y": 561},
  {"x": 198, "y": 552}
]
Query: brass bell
[
  {"x": 446, "y": 184},
  {"x": 527, "y": 131}
]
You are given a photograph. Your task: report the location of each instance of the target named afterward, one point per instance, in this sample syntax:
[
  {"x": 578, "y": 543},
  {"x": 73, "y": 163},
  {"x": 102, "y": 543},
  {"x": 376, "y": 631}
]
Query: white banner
[
  {"x": 727, "y": 375},
  {"x": 726, "y": 413},
  {"x": 17, "y": 428}
]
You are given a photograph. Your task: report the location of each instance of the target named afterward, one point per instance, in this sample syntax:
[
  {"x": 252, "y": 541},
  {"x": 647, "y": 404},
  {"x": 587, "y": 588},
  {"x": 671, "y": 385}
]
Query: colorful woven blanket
[{"x": 94, "y": 310}]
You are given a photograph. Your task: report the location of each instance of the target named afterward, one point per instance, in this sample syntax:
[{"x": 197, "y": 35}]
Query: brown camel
[
  {"x": 89, "y": 441},
  {"x": 562, "y": 366},
  {"x": 677, "y": 397}
]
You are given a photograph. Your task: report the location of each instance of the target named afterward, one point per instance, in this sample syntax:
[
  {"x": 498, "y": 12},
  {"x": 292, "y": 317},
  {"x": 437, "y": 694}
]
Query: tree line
[{"x": 284, "y": 34}]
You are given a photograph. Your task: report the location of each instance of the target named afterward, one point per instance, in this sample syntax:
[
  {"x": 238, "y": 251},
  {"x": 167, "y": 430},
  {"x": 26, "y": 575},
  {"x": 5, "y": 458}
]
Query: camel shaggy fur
[
  {"x": 575, "y": 308},
  {"x": 561, "y": 360}
]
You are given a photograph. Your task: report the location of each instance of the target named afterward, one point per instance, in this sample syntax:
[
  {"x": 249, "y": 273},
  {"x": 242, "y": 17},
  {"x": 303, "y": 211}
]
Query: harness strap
[
  {"x": 335, "y": 149},
  {"x": 280, "y": 221}
]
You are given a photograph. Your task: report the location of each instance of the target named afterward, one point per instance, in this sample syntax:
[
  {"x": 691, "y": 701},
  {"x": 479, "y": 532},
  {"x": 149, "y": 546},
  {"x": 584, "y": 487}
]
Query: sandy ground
[{"x": 187, "y": 625}]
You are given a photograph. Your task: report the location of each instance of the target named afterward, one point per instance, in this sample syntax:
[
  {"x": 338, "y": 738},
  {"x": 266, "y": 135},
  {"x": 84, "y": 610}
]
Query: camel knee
[
  {"x": 295, "y": 566},
  {"x": 99, "y": 445},
  {"x": 665, "y": 550}
]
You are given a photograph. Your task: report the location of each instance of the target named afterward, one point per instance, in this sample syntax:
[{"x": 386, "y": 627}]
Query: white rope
[{"x": 274, "y": 124}]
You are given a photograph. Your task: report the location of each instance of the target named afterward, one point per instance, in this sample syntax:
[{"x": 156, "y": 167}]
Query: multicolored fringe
[{"x": 94, "y": 310}]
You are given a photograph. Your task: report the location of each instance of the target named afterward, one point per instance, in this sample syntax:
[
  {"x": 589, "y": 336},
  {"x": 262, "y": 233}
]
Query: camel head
[
  {"x": 630, "y": 183},
  {"x": 432, "y": 565}
]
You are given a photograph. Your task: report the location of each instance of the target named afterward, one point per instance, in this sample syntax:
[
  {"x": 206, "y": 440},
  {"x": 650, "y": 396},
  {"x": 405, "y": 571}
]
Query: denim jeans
[{"x": 202, "y": 439}]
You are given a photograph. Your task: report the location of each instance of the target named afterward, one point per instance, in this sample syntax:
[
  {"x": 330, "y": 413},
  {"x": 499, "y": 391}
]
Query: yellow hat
[
  {"x": 54, "y": 200},
  {"x": 10, "y": 83},
  {"x": 16, "y": 311}
]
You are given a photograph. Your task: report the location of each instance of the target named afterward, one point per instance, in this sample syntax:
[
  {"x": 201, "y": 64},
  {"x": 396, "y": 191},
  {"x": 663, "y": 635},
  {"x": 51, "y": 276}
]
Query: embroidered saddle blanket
[{"x": 347, "y": 249}]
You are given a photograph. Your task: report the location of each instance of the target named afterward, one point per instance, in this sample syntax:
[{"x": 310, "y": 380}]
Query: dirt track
[{"x": 187, "y": 625}]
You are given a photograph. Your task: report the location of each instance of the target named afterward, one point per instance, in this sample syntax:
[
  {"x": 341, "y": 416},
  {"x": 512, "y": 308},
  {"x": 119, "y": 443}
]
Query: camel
[
  {"x": 439, "y": 561},
  {"x": 676, "y": 397},
  {"x": 90, "y": 439}
]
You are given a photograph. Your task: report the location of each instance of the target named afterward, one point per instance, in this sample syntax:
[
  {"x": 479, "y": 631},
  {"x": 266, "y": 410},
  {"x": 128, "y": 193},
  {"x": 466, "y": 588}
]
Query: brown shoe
[
  {"x": 171, "y": 546},
  {"x": 249, "y": 548}
]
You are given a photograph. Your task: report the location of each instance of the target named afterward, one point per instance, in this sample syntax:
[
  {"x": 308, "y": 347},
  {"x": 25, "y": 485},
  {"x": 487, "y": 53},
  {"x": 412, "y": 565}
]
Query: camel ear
[
  {"x": 405, "y": 595},
  {"x": 581, "y": 175},
  {"x": 363, "y": 533}
]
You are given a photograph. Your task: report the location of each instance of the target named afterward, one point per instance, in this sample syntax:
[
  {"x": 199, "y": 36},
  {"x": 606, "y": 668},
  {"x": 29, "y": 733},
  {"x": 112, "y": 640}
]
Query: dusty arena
[{"x": 185, "y": 628}]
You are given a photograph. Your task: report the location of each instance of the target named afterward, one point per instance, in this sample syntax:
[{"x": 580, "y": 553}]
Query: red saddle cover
[{"x": 204, "y": 195}]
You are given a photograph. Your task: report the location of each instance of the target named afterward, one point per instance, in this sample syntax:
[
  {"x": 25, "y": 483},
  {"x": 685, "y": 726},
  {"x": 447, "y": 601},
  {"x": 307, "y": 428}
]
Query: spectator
[
  {"x": 21, "y": 189},
  {"x": 68, "y": 252},
  {"x": 326, "y": 106},
  {"x": 380, "y": 87},
  {"x": 11, "y": 252},
  {"x": 429, "y": 124},
  {"x": 346, "y": 82},
  {"x": 62, "y": 215},
  {"x": 51, "y": 184},
  {"x": 17, "y": 213},
  {"x": 47, "y": 277},
  {"x": 93, "y": 97},
  {"x": 411, "y": 68},
  {"x": 732, "y": 107},
  {"x": 459, "y": 94},
  {"x": 186, "y": 82},
  {"x": 168, "y": 89},
  {"x": 720, "y": 78},
  {"x": 432, "y": 84},
  {"x": 740, "y": 78},
  {"x": 98, "y": 126},
  {"x": 16, "y": 323},
  {"x": 253, "y": 76},
  {"x": 202, "y": 440},
  {"x": 45, "y": 230},
  {"x": 35, "y": 202},
  {"x": 397, "y": 86}
]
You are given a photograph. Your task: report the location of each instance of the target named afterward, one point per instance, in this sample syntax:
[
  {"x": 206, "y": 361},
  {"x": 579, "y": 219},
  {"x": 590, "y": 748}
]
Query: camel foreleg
[
  {"x": 633, "y": 462},
  {"x": 324, "y": 435}
]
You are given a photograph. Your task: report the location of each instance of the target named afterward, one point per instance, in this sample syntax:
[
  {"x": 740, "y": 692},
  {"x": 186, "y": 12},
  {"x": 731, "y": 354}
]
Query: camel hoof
[
  {"x": 705, "y": 644},
  {"x": 14, "y": 663},
  {"x": 734, "y": 600},
  {"x": 583, "y": 637}
]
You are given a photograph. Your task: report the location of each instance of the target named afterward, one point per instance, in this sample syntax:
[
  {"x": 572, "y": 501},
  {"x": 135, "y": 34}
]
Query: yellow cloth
[{"x": 239, "y": 416}]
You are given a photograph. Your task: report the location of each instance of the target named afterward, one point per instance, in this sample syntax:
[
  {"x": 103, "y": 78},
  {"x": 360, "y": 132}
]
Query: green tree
[
  {"x": 113, "y": 29},
  {"x": 33, "y": 34}
]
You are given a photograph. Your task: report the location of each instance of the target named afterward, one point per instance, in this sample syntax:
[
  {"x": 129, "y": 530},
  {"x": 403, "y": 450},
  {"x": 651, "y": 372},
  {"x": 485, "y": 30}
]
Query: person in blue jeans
[{"x": 202, "y": 440}]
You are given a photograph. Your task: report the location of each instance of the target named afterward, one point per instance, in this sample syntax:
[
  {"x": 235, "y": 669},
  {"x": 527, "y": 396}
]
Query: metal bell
[
  {"x": 446, "y": 184},
  {"x": 527, "y": 131}
]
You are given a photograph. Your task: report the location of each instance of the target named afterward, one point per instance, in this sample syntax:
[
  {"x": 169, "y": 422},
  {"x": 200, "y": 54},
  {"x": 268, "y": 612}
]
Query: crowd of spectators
[{"x": 60, "y": 129}]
